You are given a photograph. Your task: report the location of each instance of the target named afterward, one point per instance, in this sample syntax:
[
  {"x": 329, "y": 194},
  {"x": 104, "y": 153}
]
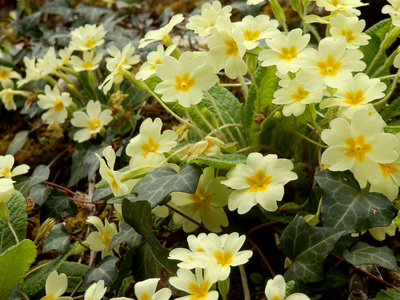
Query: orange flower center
[
  {"x": 357, "y": 148},
  {"x": 288, "y": 53},
  {"x": 105, "y": 237},
  {"x": 223, "y": 259},
  {"x": 90, "y": 43},
  {"x": 145, "y": 296},
  {"x": 151, "y": 146},
  {"x": 48, "y": 297},
  {"x": 300, "y": 94},
  {"x": 259, "y": 182},
  {"x": 114, "y": 184},
  {"x": 251, "y": 36},
  {"x": 157, "y": 62},
  {"x": 184, "y": 83},
  {"x": 354, "y": 99},
  {"x": 231, "y": 47},
  {"x": 329, "y": 67},
  {"x": 58, "y": 104},
  {"x": 93, "y": 124},
  {"x": 4, "y": 74},
  {"x": 348, "y": 34},
  {"x": 87, "y": 65},
  {"x": 386, "y": 169},
  {"x": 201, "y": 199},
  {"x": 199, "y": 291}
]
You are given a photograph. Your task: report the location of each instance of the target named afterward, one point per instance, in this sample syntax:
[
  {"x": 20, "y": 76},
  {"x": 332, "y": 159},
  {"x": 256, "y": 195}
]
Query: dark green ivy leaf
[{"x": 105, "y": 271}]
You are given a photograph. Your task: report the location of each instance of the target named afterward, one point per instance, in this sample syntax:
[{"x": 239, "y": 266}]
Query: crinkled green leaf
[
  {"x": 138, "y": 215},
  {"x": 392, "y": 110},
  {"x": 392, "y": 294},
  {"x": 58, "y": 204},
  {"x": 18, "y": 219},
  {"x": 161, "y": 182},
  {"x": 225, "y": 161},
  {"x": 380, "y": 29},
  {"x": 105, "y": 271},
  {"x": 58, "y": 239},
  {"x": 346, "y": 207},
  {"x": 74, "y": 272},
  {"x": 18, "y": 141},
  {"x": 308, "y": 247},
  {"x": 128, "y": 235},
  {"x": 24, "y": 184},
  {"x": 362, "y": 253},
  {"x": 14, "y": 263},
  {"x": 35, "y": 283}
]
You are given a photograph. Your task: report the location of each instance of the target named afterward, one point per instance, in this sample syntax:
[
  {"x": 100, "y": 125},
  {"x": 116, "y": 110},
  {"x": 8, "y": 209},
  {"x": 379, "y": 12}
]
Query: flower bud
[{"x": 278, "y": 11}]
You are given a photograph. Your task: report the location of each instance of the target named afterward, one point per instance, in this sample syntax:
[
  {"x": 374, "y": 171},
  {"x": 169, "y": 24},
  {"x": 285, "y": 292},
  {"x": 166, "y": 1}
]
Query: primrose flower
[
  {"x": 223, "y": 251},
  {"x": 162, "y": 33},
  {"x": 226, "y": 49},
  {"x": 6, "y": 190},
  {"x": 108, "y": 174},
  {"x": 393, "y": 9},
  {"x": 87, "y": 37},
  {"x": 6, "y": 167},
  {"x": 90, "y": 61},
  {"x": 56, "y": 285},
  {"x": 276, "y": 288},
  {"x": 330, "y": 65},
  {"x": 56, "y": 104},
  {"x": 294, "y": 97},
  {"x": 348, "y": 7},
  {"x": 7, "y": 97},
  {"x": 260, "y": 181},
  {"x": 379, "y": 233},
  {"x": 48, "y": 63},
  {"x": 284, "y": 50},
  {"x": 205, "y": 205},
  {"x": 101, "y": 239},
  {"x": 359, "y": 146},
  {"x": 92, "y": 121},
  {"x": 210, "y": 12},
  {"x": 96, "y": 291},
  {"x": 64, "y": 54},
  {"x": 196, "y": 285},
  {"x": 32, "y": 71},
  {"x": 146, "y": 290},
  {"x": 351, "y": 28},
  {"x": 257, "y": 28},
  {"x": 356, "y": 94},
  {"x": 154, "y": 58},
  {"x": 209, "y": 146},
  {"x": 6, "y": 77},
  {"x": 254, "y": 2},
  {"x": 184, "y": 79},
  {"x": 151, "y": 140}
]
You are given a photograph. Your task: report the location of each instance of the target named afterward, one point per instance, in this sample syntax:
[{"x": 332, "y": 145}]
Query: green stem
[
  {"x": 13, "y": 232},
  {"x": 306, "y": 138},
  {"x": 391, "y": 90},
  {"x": 208, "y": 124},
  {"x": 70, "y": 71},
  {"x": 195, "y": 127},
  {"x": 50, "y": 80},
  {"x": 244, "y": 86}
]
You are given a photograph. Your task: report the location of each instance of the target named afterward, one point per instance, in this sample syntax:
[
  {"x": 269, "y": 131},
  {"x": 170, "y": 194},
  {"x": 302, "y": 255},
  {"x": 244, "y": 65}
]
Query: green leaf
[
  {"x": 28, "y": 25},
  {"x": 105, "y": 271},
  {"x": 362, "y": 253},
  {"x": 225, "y": 161},
  {"x": 58, "y": 204},
  {"x": 346, "y": 207},
  {"x": 92, "y": 14},
  {"x": 18, "y": 219},
  {"x": 14, "y": 263},
  {"x": 159, "y": 183},
  {"x": 146, "y": 265},
  {"x": 138, "y": 215},
  {"x": 59, "y": 7},
  {"x": 308, "y": 248},
  {"x": 34, "y": 284},
  {"x": 18, "y": 141},
  {"x": 58, "y": 239},
  {"x": 39, "y": 193},
  {"x": 128, "y": 235},
  {"x": 392, "y": 294},
  {"x": 392, "y": 110},
  {"x": 124, "y": 271},
  {"x": 40, "y": 174},
  {"x": 380, "y": 29},
  {"x": 74, "y": 272}
]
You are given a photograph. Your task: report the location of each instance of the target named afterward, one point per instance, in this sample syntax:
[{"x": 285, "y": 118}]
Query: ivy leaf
[
  {"x": 124, "y": 271},
  {"x": 105, "y": 271},
  {"x": 14, "y": 263},
  {"x": 362, "y": 253},
  {"x": 346, "y": 207},
  {"x": 138, "y": 215},
  {"x": 391, "y": 294},
  {"x": 128, "y": 235},
  {"x": 18, "y": 141},
  {"x": 308, "y": 247},
  {"x": 58, "y": 239},
  {"x": 39, "y": 193},
  {"x": 34, "y": 284},
  {"x": 225, "y": 161},
  {"x": 28, "y": 25},
  {"x": 18, "y": 219},
  {"x": 74, "y": 272},
  {"x": 24, "y": 184},
  {"x": 59, "y": 7},
  {"x": 159, "y": 183},
  {"x": 58, "y": 204}
]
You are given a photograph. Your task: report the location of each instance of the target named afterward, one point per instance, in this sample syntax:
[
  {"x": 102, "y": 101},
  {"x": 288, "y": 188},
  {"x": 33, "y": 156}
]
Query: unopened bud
[
  {"x": 296, "y": 5},
  {"x": 278, "y": 11},
  {"x": 44, "y": 229},
  {"x": 210, "y": 117}
]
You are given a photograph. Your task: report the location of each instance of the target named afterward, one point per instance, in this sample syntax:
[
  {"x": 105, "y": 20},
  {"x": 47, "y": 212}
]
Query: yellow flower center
[
  {"x": 58, "y": 104},
  {"x": 223, "y": 259},
  {"x": 259, "y": 182},
  {"x": 329, "y": 67},
  {"x": 90, "y": 43},
  {"x": 145, "y": 296},
  {"x": 93, "y": 124},
  {"x": 200, "y": 249},
  {"x": 231, "y": 47},
  {"x": 4, "y": 74},
  {"x": 105, "y": 237},
  {"x": 151, "y": 146},
  {"x": 114, "y": 184},
  {"x": 184, "y": 83},
  {"x": 48, "y": 297},
  {"x": 300, "y": 94},
  {"x": 336, "y": 2},
  {"x": 354, "y": 99},
  {"x": 157, "y": 62},
  {"x": 288, "y": 53},
  {"x": 6, "y": 171},
  {"x": 201, "y": 199},
  {"x": 276, "y": 297},
  {"x": 199, "y": 291},
  {"x": 386, "y": 169},
  {"x": 251, "y": 36},
  {"x": 348, "y": 34},
  {"x": 357, "y": 148},
  {"x": 87, "y": 65}
]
